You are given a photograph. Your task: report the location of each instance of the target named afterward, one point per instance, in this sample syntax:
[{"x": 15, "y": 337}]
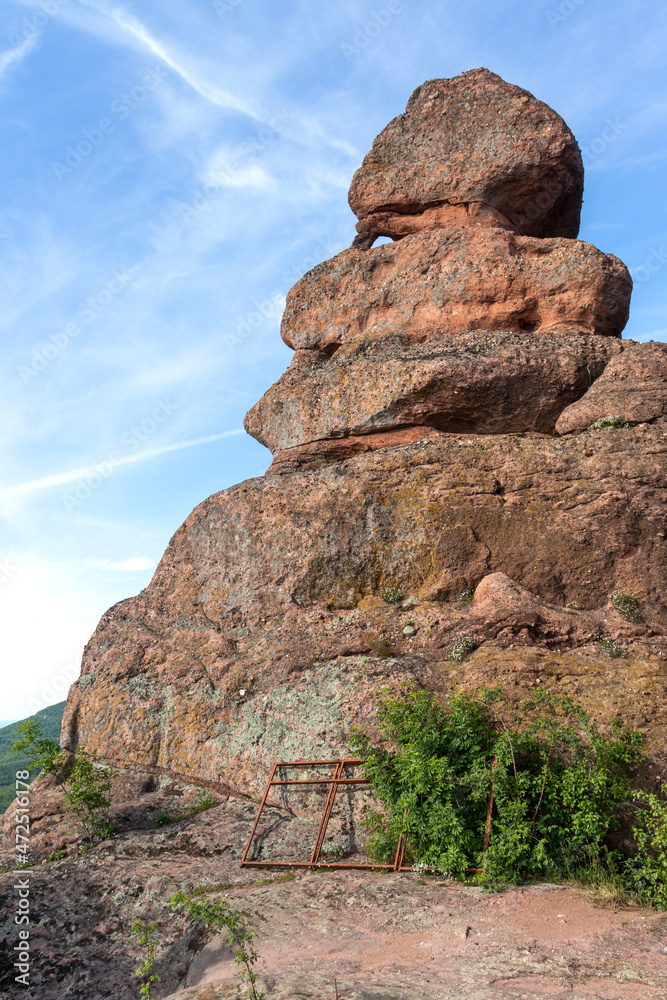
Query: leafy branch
[
  {"x": 144, "y": 932},
  {"x": 85, "y": 780},
  {"x": 240, "y": 933}
]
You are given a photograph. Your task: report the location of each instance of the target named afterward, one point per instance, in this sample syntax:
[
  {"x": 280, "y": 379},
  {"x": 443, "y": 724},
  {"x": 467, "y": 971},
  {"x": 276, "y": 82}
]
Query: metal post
[
  {"x": 259, "y": 813},
  {"x": 327, "y": 812}
]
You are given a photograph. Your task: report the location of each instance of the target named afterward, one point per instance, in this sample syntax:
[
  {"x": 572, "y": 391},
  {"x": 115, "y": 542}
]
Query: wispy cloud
[
  {"x": 15, "y": 55},
  {"x": 132, "y": 26},
  {"x": 134, "y": 565},
  {"x": 61, "y": 478},
  {"x": 643, "y": 161}
]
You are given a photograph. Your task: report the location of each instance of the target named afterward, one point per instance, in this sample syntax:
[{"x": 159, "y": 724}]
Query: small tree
[
  {"x": 85, "y": 780},
  {"x": 144, "y": 933},
  {"x": 240, "y": 933}
]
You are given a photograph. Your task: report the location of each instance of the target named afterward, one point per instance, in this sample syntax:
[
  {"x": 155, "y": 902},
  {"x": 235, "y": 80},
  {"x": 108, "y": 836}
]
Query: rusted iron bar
[
  {"x": 324, "y": 822},
  {"x": 259, "y": 813},
  {"x": 323, "y": 781},
  {"x": 317, "y": 763},
  {"x": 319, "y": 864},
  {"x": 187, "y": 779},
  {"x": 333, "y": 782},
  {"x": 337, "y": 778}
]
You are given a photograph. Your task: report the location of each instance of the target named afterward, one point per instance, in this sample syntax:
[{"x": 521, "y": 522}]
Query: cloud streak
[
  {"x": 62, "y": 478},
  {"x": 15, "y": 55},
  {"x": 132, "y": 26}
]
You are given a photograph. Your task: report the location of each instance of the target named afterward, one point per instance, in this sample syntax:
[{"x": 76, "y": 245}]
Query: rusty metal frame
[{"x": 334, "y": 782}]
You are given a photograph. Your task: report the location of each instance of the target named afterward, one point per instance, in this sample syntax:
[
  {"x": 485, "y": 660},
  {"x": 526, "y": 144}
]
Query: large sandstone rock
[
  {"x": 447, "y": 281},
  {"x": 633, "y": 387},
  {"x": 262, "y": 635},
  {"x": 489, "y": 383},
  {"x": 472, "y": 140},
  {"x": 427, "y": 382}
]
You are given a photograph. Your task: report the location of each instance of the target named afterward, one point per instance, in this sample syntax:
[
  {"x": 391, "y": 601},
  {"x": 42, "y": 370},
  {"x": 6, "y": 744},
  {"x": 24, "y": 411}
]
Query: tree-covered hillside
[{"x": 51, "y": 719}]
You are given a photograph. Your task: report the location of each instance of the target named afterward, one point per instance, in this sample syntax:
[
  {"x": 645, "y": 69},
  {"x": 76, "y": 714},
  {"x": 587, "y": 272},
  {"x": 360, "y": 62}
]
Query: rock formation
[
  {"x": 431, "y": 437},
  {"x": 463, "y": 446},
  {"x": 473, "y": 150}
]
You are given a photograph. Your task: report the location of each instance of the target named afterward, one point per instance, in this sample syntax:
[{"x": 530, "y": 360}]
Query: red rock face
[
  {"x": 417, "y": 461},
  {"x": 416, "y": 455},
  {"x": 488, "y": 383},
  {"x": 633, "y": 389},
  {"x": 473, "y": 140},
  {"x": 431, "y": 285},
  {"x": 263, "y": 636}
]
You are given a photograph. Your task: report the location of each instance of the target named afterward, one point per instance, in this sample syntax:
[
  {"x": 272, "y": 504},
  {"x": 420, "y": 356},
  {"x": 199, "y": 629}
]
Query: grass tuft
[{"x": 604, "y": 422}]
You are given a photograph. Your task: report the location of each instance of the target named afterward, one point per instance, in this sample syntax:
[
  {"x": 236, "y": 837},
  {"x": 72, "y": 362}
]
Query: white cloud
[
  {"x": 15, "y": 55},
  {"x": 132, "y": 26},
  {"x": 133, "y": 565},
  {"x": 643, "y": 161},
  {"x": 252, "y": 176},
  {"x": 46, "y": 615}
]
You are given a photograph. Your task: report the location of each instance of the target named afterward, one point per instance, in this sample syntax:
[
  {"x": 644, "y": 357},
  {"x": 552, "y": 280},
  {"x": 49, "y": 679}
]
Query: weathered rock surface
[
  {"x": 487, "y": 383},
  {"x": 440, "y": 217},
  {"x": 262, "y": 635},
  {"x": 633, "y": 387},
  {"x": 473, "y": 140},
  {"x": 430, "y": 285},
  {"x": 384, "y": 937}
]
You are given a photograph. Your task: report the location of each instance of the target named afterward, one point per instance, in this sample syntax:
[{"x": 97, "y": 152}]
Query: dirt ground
[{"x": 363, "y": 935}]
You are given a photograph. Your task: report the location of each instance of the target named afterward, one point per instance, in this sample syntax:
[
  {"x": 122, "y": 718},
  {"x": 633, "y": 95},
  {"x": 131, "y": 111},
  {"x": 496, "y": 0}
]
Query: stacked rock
[{"x": 484, "y": 315}]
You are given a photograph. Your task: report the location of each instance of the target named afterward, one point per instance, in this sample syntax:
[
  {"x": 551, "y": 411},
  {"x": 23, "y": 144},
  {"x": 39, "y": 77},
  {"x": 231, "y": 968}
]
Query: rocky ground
[{"x": 368, "y": 935}]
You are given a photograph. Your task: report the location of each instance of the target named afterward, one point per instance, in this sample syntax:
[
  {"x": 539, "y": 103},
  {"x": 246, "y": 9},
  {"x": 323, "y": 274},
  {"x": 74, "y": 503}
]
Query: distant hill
[{"x": 51, "y": 719}]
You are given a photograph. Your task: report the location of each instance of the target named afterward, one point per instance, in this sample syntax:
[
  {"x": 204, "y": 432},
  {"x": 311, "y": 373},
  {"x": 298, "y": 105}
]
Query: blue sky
[{"x": 170, "y": 169}]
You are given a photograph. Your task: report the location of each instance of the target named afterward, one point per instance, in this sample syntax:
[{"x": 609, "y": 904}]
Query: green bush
[
  {"x": 334, "y": 852},
  {"x": 603, "y": 422},
  {"x": 382, "y": 648},
  {"x": 203, "y": 802},
  {"x": 391, "y": 595},
  {"x": 464, "y": 599},
  {"x": 11, "y": 762},
  {"x": 461, "y": 647},
  {"x": 647, "y": 870},
  {"x": 85, "y": 780},
  {"x": 163, "y": 819},
  {"x": 610, "y": 647},
  {"x": 627, "y": 606},
  {"x": 560, "y": 787}
]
